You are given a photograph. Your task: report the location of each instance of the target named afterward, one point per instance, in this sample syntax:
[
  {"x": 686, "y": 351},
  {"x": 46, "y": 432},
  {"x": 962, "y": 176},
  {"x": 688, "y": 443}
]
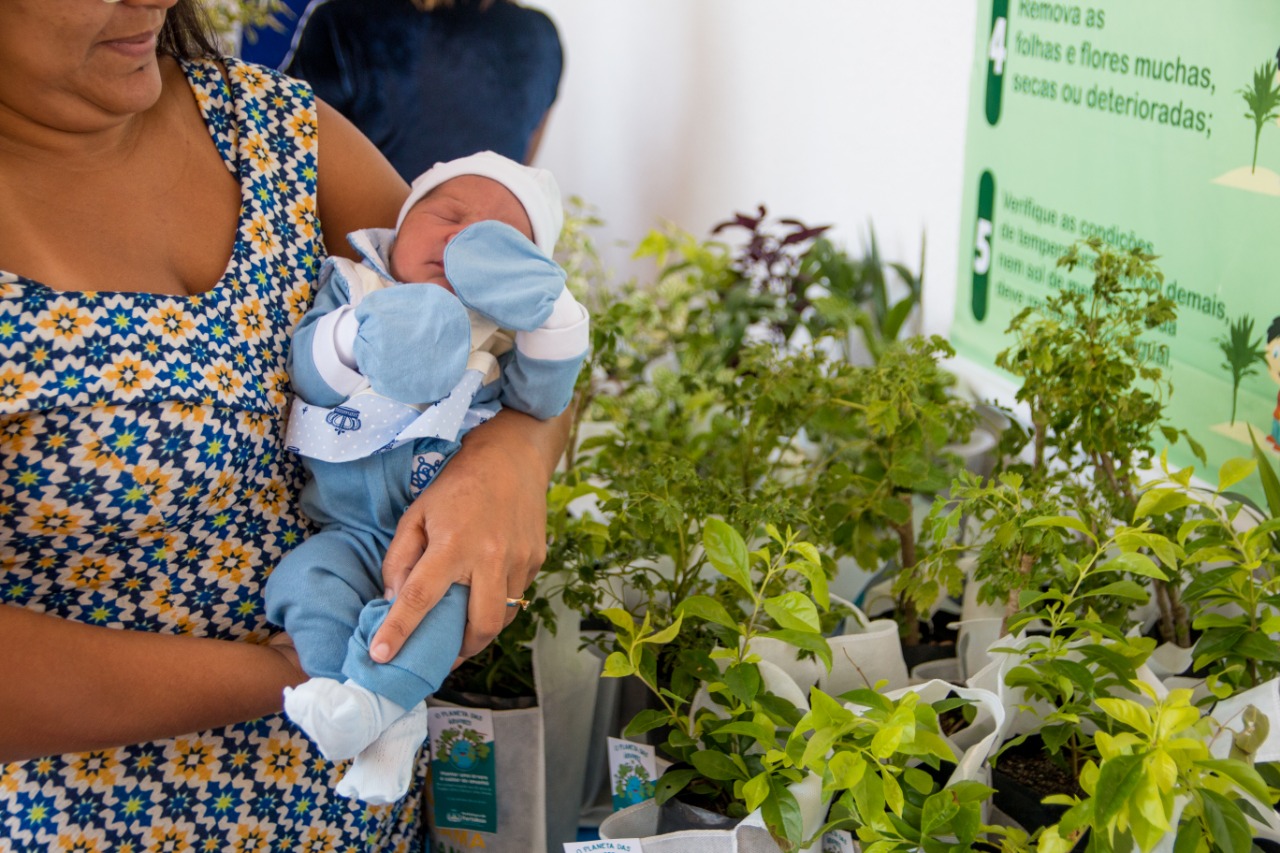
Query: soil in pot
[
  {"x": 1024, "y": 775},
  {"x": 937, "y": 640}
]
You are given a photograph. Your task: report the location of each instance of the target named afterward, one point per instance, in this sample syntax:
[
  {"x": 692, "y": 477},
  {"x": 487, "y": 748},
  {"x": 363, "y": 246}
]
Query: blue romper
[{"x": 144, "y": 485}]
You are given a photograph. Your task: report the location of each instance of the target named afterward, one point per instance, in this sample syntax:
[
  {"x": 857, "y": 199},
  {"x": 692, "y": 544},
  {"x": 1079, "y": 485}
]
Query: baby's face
[
  {"x": 418, "y": 252},
  {"x": 1273, "y": 359}
]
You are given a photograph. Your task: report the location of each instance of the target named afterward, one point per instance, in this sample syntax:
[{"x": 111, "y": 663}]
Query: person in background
[
  {"x": 432, "y": 80},
  {"x": 269, "y": 45},
  {"x": 165, "y": 213}
]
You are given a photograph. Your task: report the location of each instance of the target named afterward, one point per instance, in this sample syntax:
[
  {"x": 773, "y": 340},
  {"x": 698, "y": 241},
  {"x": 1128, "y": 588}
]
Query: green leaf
[
  {"x": 938, "y": 810},
  {"x": 756, "y": 731},
  {"x": 815, "y": 643},
  {"x": 781, "y": 812},
  {"x": 1135, "y": 564},
  {"x": 793, "y": 611},
  {"x": 1128, "y": 712},
  {"x": 1240, "y": 772},
  {"x": 846, "y": 769},
  {"x": 666, "y": 635},
  {"x": 755, "y": 790},
  {"x": 1227, "y": 824},
  {"x": 1188, "y": 837},
  {"x": 812, "y": 572},
  {"x": 743, "y": 680},
  {"x": 1127, "y": 590},
  {"x": 1270, "y": 481},
  {"x": 620, "y": 618},
  {"x": 727, "y": 552},
  {"x": 1119, "y": 777},
  {"x": 646, "y": 721},
  {"x": 1160, "y": 502},
  {"x": 1064, "y": 521},
  {"x": 672, "y": 783},
  {"x": 893, "y": 797},
  {"x": 617, "y": 665},
  {"x": 1234, "y": 470},
  {"x": 716, "y": 765},
  {"x": 707, "y": 608}
]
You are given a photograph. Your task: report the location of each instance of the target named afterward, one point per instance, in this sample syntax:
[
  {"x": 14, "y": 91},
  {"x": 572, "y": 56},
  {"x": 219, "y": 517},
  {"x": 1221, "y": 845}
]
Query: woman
[
  {"x": 158, "y": 240},
  {"x": 433, "y": 80}
]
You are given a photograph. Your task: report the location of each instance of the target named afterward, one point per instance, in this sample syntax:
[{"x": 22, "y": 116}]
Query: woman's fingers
[{"x": 422, "y": 590}]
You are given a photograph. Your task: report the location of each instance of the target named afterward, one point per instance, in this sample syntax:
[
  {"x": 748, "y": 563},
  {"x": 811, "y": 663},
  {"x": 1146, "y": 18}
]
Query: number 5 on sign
[
  {"x": 983, "y": 229},
  {"x": 997, "y": 53}
]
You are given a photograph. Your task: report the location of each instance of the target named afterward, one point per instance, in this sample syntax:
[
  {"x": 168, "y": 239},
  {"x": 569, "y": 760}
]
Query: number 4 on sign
[{"x": 997, "y": 51}]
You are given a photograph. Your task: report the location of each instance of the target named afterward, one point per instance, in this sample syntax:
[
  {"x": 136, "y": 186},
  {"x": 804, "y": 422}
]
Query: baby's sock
[
  {"x": 381, "y": 773},
  {"x": 340, "y": 716}
]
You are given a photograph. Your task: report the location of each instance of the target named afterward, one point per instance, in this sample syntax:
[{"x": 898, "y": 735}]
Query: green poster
[{"x": 1150, "y": 123}]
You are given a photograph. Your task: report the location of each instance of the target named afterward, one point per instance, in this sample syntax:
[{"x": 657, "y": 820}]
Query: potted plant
[{"x": 725, "y": 715}]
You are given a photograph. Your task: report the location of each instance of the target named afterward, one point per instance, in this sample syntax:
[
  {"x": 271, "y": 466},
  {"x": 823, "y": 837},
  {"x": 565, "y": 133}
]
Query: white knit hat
[{"x": 536, "y": 189}]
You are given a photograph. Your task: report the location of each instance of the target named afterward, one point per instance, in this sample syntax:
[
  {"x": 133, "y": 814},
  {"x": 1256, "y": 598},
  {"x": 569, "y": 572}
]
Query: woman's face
[{"x": 79, "y": 65}]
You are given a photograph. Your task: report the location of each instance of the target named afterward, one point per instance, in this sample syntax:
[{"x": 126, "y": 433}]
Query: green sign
[{"x": 1148, "y": 123}]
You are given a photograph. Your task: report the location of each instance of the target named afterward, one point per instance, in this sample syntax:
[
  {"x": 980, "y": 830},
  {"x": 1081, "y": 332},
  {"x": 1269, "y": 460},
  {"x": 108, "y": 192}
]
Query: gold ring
[{"x": 522, "y": 603}]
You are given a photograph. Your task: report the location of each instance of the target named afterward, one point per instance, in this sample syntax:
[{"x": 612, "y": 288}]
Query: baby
[{"x": 399, "y": 357}]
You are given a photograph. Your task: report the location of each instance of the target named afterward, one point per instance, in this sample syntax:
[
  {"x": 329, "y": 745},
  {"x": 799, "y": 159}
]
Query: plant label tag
[
  {"x": 838, "y": 841},
  {"x": 613, "y": 845},
  {"x": 631, "y": 771},
  {"x": 463, "y": 782}
]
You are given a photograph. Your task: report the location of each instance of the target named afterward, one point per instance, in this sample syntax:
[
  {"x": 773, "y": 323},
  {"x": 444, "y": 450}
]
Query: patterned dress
[{"x": 143, "y": 485}]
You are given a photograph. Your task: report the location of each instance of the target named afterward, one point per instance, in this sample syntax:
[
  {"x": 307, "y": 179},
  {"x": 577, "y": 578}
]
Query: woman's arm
[
  {"x": 356, "y": 186},
  {"x": 70, "y": 687},
  {"x": 481, "y": 522}
]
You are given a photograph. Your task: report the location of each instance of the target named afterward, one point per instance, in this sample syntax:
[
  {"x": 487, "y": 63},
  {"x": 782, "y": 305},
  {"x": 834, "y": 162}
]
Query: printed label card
[
  {"x": 613, "y": 845},
  {"x": 839, "y": 841},
  {"x": 463, "y": 781},
  {"x": 632, "y": 772}
]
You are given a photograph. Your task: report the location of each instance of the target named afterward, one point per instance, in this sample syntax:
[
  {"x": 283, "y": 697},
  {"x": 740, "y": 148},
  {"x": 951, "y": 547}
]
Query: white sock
[
  {"x": 340, "y": 716},
  {"x": 381, "y": 774}
]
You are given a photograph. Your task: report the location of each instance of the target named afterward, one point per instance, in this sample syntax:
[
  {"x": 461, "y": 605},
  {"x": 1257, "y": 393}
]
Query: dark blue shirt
[{"x": 429, "y": 87}]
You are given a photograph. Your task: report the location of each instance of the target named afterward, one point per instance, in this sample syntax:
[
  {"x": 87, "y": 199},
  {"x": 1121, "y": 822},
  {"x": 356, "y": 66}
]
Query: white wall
[{"x": 830, "y": 111}]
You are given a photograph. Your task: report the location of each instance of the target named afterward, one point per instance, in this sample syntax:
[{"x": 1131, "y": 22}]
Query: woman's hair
[
  {"x": 437, "y": 5},
  {"x": 187, "y": 32}
]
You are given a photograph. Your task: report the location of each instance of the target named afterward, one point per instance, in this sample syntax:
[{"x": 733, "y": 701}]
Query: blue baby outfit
[{"x": 327, "y": 593}]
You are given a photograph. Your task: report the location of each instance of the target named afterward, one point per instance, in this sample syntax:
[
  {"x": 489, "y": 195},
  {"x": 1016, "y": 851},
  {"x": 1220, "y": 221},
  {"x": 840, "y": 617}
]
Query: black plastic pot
[
  {"x": 676, "y": 816},
  {"x": 914, "y": 655},
  {"x": 1022, "y": 803},
  {"x": 479, "y": 700}
]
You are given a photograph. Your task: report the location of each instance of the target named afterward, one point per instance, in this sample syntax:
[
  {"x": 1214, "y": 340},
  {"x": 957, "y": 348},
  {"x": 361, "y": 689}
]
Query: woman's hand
[{"x": 482, "y": 523}]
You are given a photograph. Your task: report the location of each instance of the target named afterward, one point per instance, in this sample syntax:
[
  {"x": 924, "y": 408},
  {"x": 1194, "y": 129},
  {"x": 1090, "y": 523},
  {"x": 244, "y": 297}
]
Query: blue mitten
[
  {"x": 413, "y": 342},
  {"x": 496, "y": 271}
]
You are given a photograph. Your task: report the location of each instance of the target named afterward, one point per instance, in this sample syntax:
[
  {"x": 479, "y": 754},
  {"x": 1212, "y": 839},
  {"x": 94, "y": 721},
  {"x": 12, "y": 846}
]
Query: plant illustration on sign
[
  {"x": 463, "y": 748},
  {"x": 1263, "y": 101},
  {"x": 1242, "y": 352},
  {"x": 632, "y": 784}
]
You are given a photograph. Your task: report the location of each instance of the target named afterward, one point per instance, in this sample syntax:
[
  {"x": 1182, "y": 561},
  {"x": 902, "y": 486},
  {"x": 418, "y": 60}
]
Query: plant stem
[
  {"x": 1167, "y": 631},
  {"x": 1011, "y": 606},
  {"x": 907, "y": 606},
  {"x": 1181, "y": 625}
]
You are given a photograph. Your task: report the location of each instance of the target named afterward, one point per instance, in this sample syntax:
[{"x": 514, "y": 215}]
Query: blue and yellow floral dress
[{"x": 143, "y": 485}]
